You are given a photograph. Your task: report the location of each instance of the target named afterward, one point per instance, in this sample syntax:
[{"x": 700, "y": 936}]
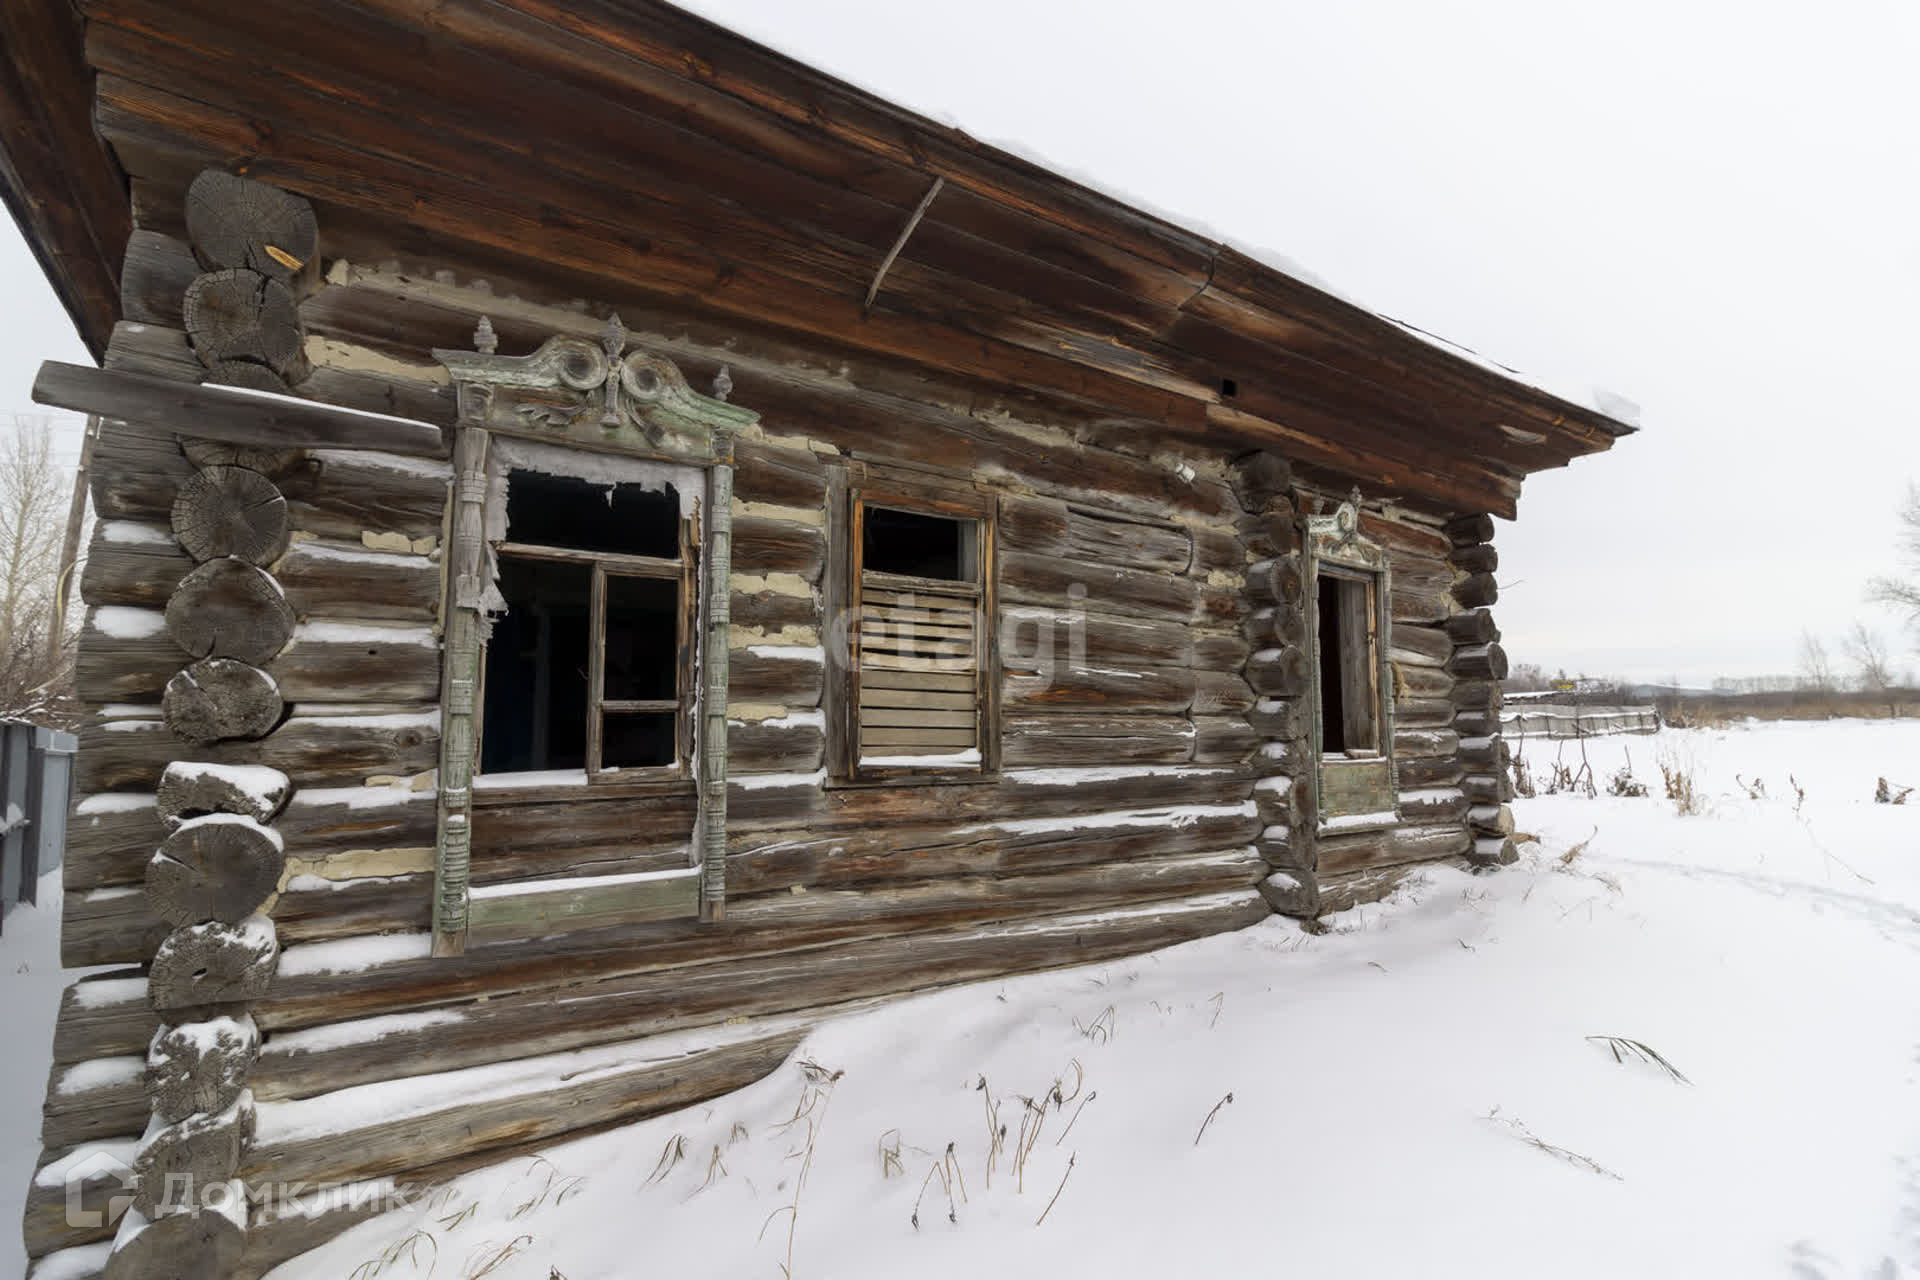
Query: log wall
[{"x": 1153, "y": 784}]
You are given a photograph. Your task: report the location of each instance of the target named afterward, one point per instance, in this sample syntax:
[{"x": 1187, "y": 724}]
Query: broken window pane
[
  {"x": 566, "y": 511},
  {"x": 643, "y": 639},
  {"x": 536, "y": 679},
  {"x": 635, "y": 739},
  {"x": 918, "y": 545}
]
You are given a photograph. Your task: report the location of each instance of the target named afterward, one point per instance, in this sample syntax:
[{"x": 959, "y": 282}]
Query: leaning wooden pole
[{"x": 70, "y": 548}]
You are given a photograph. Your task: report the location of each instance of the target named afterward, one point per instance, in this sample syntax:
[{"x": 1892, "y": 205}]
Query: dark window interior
[
  {"x": 632, "y": 740},
  {"x": 1333, "y": 719},
  {"x": 914, "y": 544},
  {"x": 643, "y": 640},
  {"x": 536, "y": 693},
  {"x": 566, "y": 511}
]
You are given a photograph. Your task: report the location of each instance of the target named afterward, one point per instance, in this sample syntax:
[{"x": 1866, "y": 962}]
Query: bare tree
[
  {"x": 1904, "y": 593},
  {"x": 1869, "y": 655},
  {"x": 36, "y": 673},
  {"x": 1815, "y": 668}
]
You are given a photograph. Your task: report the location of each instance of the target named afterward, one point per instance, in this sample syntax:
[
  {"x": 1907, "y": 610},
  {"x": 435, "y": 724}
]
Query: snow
[
  {"x": 1108, "y": 773},
  {"x": 99, "y": 1073},
  {"x": 968, "y": 759},
  {"x": 558, "y": 884},
  {"x": 363, "y": 797},
  {"x": 353, "y": 555},
  {"x": 1172, "y": 817},
  {"x": 1385, "y": 1077},
  {"x": 85, "y": 1262},
  {"x": 789, "y": 652},
  {"x": 338, "y": 1035},
  {"x": 258, "y": 782},
  {"x": 531, "y": 778},
  {"x": 763, "y": 781},
  {"x": 123, "y": 622},
  {"x": 353, "y": 955},
  {"x": 354, "y": 633},
  {"x": 424, "y": 467},
  {"x": 114, "y": 802},
  {"x": 132, "y": 533}
]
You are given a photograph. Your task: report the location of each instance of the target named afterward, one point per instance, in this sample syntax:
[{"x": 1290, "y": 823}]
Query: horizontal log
[
  {"x": 121, "y": 659},
  {"x": 524, "y": 910},
  {"x": 1496, "y": 851},
  {"x": 1484, "y": 753},
  {"x": 227, "y": 608},
  {"x": 1276, "y": 582},
  {"x": 1391, "y": 846},
  {"x": 1477, "y": 722},
  {"x": 1223, "y": 739},
  {"x": 1427, "y": 607},
  {"x": 1276, "y": 533},
  {"x": 1112, "y": 538},
  {"x": 1025, "y": 578},
  {"x": 1425, "y": 742},
  {"x": 1280, "y": 719},
  {"x": 1419, "y": 645},
  {"x": 1478, "y": 558},
  {"x": 786, "y": 675},
  {"x": 1491, "y": 820},
  {"x": 1476, "y": 590},
  {"x": 213, "y": 963},
  {"x": 778, "y": 476},
  {"x": 1033, "y": 639},
  {"x": 1294, "y": 892},
  {"x": 230, "y": 414},
  {"x": 1434, "y": 804},
  {"x": 765, "y": 545},
  {"x": 1475, "y": 626},
  {"x": 332, "y": 580},
  {"x": 668, "y": 1001},
  {"x": 1220, "y": 651},
  {"x": 88, "y": 1101},
  {"x": 1422, "y": 713},
  {"x": 1260, "y": 480},
  {"x": 1428, "y": 771},
  {"x": 1466, "y": 530},
  {"x": 1484, "y": 788},
  {"x": 1282, "y": 802},
  {"x": 1481, "y": 661},
  {"x": 222, "y": 866},
  {"x": 1217, "y": 550},
  {"x": 1084, "y": 689},
  {"x": 1279, "y": 673},
  {"x": 1221, "y": 693},
  {"x": 200, "y": 1066},
  {"x": 792, "y": 744},
  {"x": 1276, "y": 626},
  {"x": 1058, "y": 739},
  {"x": 1476, "y": 695},
  {"x": 312, "y": 748},
  {"x": 216, "y": 699}
]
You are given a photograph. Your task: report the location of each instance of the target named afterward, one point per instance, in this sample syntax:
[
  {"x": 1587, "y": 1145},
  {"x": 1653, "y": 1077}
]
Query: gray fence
[
  {"x": 1533, "y": 719},
  {"x": 36, "y": 772}
]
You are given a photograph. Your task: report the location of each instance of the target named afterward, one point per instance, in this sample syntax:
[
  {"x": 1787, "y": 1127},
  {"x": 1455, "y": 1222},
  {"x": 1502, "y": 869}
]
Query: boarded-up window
[
  {"x": 590, "y": 666},
  {"x": 918, "y": 642},
  {"x": 1349, "y": 675}
]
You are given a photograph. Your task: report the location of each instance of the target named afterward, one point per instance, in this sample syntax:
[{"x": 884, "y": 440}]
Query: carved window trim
[
  {"x": 597, "y": 397},
  {"x": 1334, "y": 546}
]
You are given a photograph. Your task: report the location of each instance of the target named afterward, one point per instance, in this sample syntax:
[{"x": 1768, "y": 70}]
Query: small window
[
  {"x": 1349, "y": 675},
  {"x": 918, "y": 648},
  {"x": 590, "y": 666}
]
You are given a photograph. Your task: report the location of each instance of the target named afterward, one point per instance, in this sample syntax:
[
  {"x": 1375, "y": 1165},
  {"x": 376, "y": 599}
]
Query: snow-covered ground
[{"x": 1414, "y": 1093}]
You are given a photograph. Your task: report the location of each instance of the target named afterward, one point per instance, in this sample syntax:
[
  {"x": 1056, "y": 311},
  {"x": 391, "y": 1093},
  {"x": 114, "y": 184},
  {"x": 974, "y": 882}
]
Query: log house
[{"x": 589, "y": 505}]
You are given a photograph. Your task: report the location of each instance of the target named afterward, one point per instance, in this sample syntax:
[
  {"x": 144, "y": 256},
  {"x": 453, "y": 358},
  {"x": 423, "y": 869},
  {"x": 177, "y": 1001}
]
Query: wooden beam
[{"x": 230, "y": 414}]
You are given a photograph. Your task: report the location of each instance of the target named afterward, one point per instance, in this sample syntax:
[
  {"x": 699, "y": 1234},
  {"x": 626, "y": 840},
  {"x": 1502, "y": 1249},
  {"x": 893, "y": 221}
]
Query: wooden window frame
[
  {"x": 1335, "y": 549},
  {"x": 494, "y": 789},
  {"x": 850, "y": 497}
]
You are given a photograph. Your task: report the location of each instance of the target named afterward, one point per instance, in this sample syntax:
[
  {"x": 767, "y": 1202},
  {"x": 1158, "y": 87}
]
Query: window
[
  {"x": 589, "y": 666},
  {"x": 918, "y": 647},
  {"x": 1349, "y": 674},
  {"x": 1357, "y": 781}
]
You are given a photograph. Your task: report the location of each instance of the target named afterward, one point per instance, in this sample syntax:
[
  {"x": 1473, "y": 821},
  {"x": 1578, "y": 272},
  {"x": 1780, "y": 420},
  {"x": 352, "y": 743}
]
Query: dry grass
[{"x": 1624, "y": 1049}]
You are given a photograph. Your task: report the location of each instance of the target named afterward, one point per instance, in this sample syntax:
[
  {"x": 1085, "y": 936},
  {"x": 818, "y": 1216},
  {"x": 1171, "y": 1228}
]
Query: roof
[{"x": 654, "y": 153}]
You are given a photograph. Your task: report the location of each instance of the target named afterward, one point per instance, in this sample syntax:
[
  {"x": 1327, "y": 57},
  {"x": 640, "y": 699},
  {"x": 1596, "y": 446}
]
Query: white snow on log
[
  {"x": 1109, "y": 773},
  {"x": 387, "y": 720},
  {"x": 970, "y": 758},
  {"x": 125, "y": 710},
  {"x": 789, "y": 652},
  {"x": 99, "y": 1073},
  {"x": 307, "y": 882},
  {"x": 56, "y": 1173},
  {"x": 1349, "y": 821},
  {"x": 132, "y": 533},
  {"x": 764, "y": 781},
  {"x": 357, "y": 797},
  {"x": 354, "y": 955},
  {"x": 353, "y": 554},
  {"x": 425, "y": 467},
  {"x": 114, "y": 802},
  {"x": 82, "y": 1262},
  {"x": 207, "y": 1034},
  {"x": 338, "y": 1035},
  {"x": 258, "y": 782},
  {"x": 561, "y": 884},
  {"x": 387, "y": 1101},
  {"x": 111, "y": 892},
  {"x": 531, "y": 778},
  {"x": 357, "y": 633},
  {"x": 1172, "y": 816},
  {"x": 101, "y": 992},
  {"x": 122, "y": 622},
  {"x": 814, "y": 719}
]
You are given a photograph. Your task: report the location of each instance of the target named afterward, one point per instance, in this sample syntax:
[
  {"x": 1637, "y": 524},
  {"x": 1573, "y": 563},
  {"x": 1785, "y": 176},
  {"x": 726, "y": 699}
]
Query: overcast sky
[{"x": 1712, "y": 209}]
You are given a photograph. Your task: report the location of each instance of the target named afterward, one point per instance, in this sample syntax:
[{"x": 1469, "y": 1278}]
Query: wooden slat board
[{"x": 919, "y": 672}]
